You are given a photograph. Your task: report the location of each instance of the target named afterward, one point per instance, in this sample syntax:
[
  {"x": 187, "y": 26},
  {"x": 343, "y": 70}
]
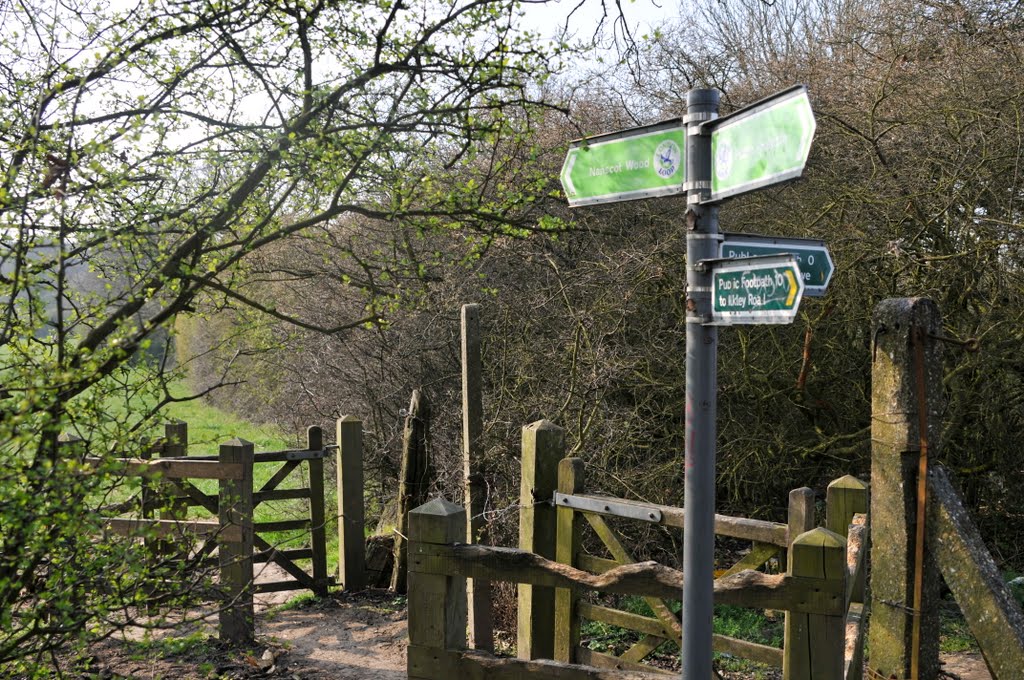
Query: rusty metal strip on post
[{"x": 917, "y": 337}]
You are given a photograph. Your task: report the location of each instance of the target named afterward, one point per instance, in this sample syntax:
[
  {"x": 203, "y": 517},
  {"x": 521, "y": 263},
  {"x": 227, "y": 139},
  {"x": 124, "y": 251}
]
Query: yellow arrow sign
[{"x": 793, "y": 287}]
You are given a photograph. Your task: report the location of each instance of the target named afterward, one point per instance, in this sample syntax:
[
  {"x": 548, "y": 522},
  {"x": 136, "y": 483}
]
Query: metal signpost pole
[{"x": 702, "y": 239}]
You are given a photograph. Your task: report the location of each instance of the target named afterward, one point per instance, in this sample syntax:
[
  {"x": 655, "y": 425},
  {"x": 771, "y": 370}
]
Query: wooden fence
[
  {"x": 241, "y": 541},
  {"x": 820, "y": 591}
]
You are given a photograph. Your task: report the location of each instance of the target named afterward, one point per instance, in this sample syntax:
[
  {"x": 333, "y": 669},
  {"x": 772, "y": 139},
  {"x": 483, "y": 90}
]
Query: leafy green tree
[{"x": 147, "y": 153}]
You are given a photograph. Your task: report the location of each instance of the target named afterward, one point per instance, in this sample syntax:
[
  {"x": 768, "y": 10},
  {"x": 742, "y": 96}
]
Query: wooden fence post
[
  {"x": 174, "y": 445},
  {"x": 235, "y": 505},
  {"x": 413, "y": 482},
  {"x": 895, "y": 449},
  {"x": 815, "y": 643},
  {"x": 846, "y": 497},
  {"x": 800, "y": 518},
  {"x": 317, "y": 512},
  {"x": 351, "y": 520},
  {"x": 437, "y": 602},
  {"x": 543, "y": 448},
  {"x": 481, "y": 623},
  {"x": 571, "y": 479}
]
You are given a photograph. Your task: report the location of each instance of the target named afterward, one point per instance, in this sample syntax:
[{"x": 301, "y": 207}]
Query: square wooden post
[
  {"x": 543, "y": 448},
  {"x": 317, "y": 512},
  {"x": 815, "y": 643},
  {"x": 351, "y": 510},
  {"x": 237, "y": 624},
  {"x": 437, "y": 601}
]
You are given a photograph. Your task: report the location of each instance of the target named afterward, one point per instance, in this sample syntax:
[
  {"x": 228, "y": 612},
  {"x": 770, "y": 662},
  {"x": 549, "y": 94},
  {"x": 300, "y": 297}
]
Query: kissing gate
[{"x": 927, "y": 530}]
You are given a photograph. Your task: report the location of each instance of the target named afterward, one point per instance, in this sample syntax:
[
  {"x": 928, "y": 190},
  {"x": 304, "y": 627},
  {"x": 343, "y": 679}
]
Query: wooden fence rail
[{"x": 439, "y": 565}]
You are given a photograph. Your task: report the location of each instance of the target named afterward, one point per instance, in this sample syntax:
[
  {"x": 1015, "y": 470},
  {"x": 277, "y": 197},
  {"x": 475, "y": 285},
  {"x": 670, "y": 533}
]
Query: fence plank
[
  {"x": 995, "y": 619},
  {"x": 571, "y": 480},
  {"x": 166, "y": 528},
  {"x": 235, "y": 504},
  {"x": 759, "y": 531},
  {"x": 433, "y": 664},
  {"x": 351, "y": 520},
  {"x": 169, "y": 468},
  {"x": 317, "y": 513},
  {"x": 750, "y": 589}
]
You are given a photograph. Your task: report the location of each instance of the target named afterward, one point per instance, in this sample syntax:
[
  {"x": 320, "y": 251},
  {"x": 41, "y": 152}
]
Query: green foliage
[{"x": 148, "y": 155}]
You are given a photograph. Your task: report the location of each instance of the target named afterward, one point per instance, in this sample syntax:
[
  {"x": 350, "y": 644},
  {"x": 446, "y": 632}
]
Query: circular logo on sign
[
  {"x": 723, "y": 159},
  {"x": 666, "y": 158}
]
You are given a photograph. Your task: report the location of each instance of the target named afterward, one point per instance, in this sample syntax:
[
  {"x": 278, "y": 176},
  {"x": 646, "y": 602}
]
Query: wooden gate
[
  {"x": 174, "y": 495},
  {"x": 823, "y": 626}
]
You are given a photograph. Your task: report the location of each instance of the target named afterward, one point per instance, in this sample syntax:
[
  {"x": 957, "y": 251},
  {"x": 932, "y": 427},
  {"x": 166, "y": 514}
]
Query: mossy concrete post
[
  {"x": 437, "y": 602},
  {"x": 895, "y": 450},
  {"x": 543, "y": 448},
  {"x": 571, "y": 473},
  {"x": 815, "y": 643},
  {"x": 317, "y": 512},
  {"x": 351, "y": 520},
  {"x": 235, "y": 506}
]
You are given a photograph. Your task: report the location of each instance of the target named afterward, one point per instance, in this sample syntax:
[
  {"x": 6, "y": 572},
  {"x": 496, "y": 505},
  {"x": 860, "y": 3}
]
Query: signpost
[
  {"x": 762, "y": 144},
  {"x": 710, "y": 159},
  {"x": 643, "y": 162},
  {"x": 811, "y": 255},
  {"x": 756, "y": 290}
]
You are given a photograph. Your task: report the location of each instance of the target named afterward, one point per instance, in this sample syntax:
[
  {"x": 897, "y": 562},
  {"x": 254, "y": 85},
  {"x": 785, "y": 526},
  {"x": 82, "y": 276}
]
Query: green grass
[{"x": 737, "y": 622}]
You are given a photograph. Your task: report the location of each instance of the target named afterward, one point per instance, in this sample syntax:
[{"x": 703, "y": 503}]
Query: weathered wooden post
[
  {"x": 543, "y": 448},
  {"x": 900, "y": 391},
  {"x": 800, "y": 517},
  {"x": 481, "y": 622},
  {"x": 995, "y": 618},
  {"x": 413, "y": 482},
  {"x": 814, "y": 643},
  {"x": 844, "y": 498},
  {"x": 351, "y": 520},
  {"x": 235, "y": 506},
  {"x": 317, "y": 512},
  {"x": 437, "y": 602},
  {"x": 174, "y": 445},
  {"x": 571, "y": 479}
]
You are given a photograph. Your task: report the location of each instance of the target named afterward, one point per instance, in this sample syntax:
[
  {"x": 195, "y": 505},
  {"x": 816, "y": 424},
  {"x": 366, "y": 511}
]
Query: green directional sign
[
  {"x": 756, "y": 290},
  {"x": 811, "y": 255},
  {"x": 761, "y": 145},
  {"x": 621, "y": 166}
]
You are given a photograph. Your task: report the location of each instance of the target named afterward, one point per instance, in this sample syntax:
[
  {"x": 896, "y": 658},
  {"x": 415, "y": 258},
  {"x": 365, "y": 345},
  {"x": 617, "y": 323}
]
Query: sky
[{"x": 642, "y": 16}]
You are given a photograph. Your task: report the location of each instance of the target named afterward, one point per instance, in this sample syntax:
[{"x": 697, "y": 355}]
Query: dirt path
[
  {"x": 349, "y": 637},
  {"x": 360, "y": 637}
]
